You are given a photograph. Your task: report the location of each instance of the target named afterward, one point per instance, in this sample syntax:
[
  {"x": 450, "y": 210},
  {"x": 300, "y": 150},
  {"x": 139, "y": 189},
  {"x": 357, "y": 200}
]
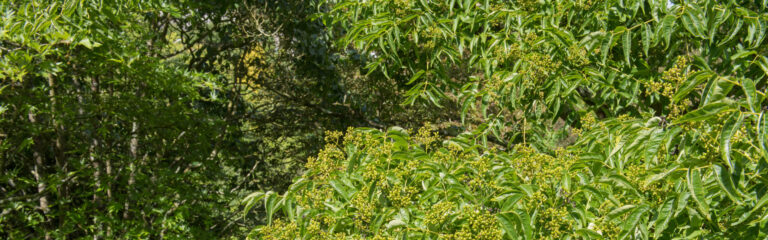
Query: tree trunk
[
  {"x": 133, "y": 151},
  {"x": 95, "y": 164},
  {"x": 37, "y": 171},
  {"x": 58, "y": 148}
]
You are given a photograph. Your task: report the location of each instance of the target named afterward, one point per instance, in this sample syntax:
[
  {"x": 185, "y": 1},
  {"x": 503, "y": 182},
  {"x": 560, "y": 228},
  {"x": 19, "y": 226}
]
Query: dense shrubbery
[
  {"x": 585, "y": 119},
  {"x": 394, "y": 184}
]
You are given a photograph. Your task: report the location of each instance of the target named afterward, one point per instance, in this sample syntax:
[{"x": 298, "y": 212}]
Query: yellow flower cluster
[
  {"x": 708, "y": 140},
  {"x": 402, "y": 3},
  {"x": 532, "y": 166},
  {"x": 555, "y": 220},
  {"x": 677, "y": 74},
  {"x": 480, "y": 225},
  {"x": 451, "y": 154},
  {"x": 381, "y": 150},
  {"x": 507, "y": 54},
  {"x": 536, "y": 200},
  {"x": 325, "y": 163},
  {"x": 404, "y": 168},
  {"x": 402, "y": 7},
  {"x": 364, "y": 208},
  {"x": 606, "y": 228},
  {"x": 577, "y": 56},
  {"x": 482, "y": 164},
  {"x": 314, "y": 197},
  {"x": 577, "y": 131},
  {"x": 279, "y": 230},
  {"x": 528, "y": 5},
  {"x": 588, "y": 121},
  {"x": 401, "y": 196},
  {"x": 624, "y": 117},
  {"x": 328, "y": 220},
  {"x": 333, "y": 137},
  {"x": 426, "y": 136},
  {"x": 357, "y": 138},
  {"x": 585, "y": 4},
  {"x": 636, "y": 174},
  {"x": 438, "y": 213},
  {"x": 315, "y": 232},
  {"x": 380, "y": 237},
  {"x": 540, "y": 66},
  {"x": 372, "y": 173},
  {"x": 495, "y": 84},
  {"x": 671, "y": 80},
  {"x": 530, "y": 39}
]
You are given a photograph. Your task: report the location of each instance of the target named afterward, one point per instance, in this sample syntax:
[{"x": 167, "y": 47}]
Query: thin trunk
[
  {"x": 108, "y": 171},
  {"x": 37, "y": 171},
  {"x": 58, "y": 141},
  {"x": 58, "y": 149},
  {"x": 133, "y": 151},
  {"x": 95, "y": 164}
]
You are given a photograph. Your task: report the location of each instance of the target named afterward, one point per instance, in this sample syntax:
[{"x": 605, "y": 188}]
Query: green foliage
[
  {"x": 509, "y": 63},
  {"x": 100, "y": 136},
  {"x": 660, "y": 105},
  {"x": 593, "y": 119},
  {"x": 619, "y": 181}
]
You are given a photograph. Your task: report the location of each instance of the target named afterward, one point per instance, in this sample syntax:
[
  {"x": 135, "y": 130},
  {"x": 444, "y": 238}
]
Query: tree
[
  {"x": 101, "y": 135},
  {"x": 659, "y": 103}
]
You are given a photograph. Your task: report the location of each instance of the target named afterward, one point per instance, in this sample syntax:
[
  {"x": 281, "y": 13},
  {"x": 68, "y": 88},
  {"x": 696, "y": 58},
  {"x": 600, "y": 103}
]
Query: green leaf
[
  {"x": 394, "y": 223},
  {"x": 664, "y": 215},
  {"x": 507, "y": 224},
  {"x": 270, "y": 205},
  {"x": 634, "y": 218},
  {"x": 653, "y": 144},
  {"x": 731, "y": 126},
  {"x": 691, "y": 83},
  {"x": 762, "y": 61},
  {"x": 251, "y": 200},
  {"x": 647, "y": 35},
  {"x": 742, "y": 54},
  {"x": 705, "y": 112},
  {"x": 734, "y": 32},
  {"x": 656, "y": 177},
  {"x": 696, "y": 188},
  {"x": 760, "y": 203},
  {"x": 588, "y": 234},
  {"x": 432, "y": 94},
  {"x": 620, "y": 211},
  {"x": 607, "y": 42},
  {"x": 691, "y": 23},
  {"x": 340, "y": 188},
  {"x": 86, "y": 42},
  {"x": 525, "y": 222},
  {"x": 717, "y": 88},
  {"x": 751, "y": 93},
  {"x": 667, "y": 28},
  {"x": 415, "y": 77},
  {"x": 627, "y": 45},
  {"x": 726, "y": 183}
]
